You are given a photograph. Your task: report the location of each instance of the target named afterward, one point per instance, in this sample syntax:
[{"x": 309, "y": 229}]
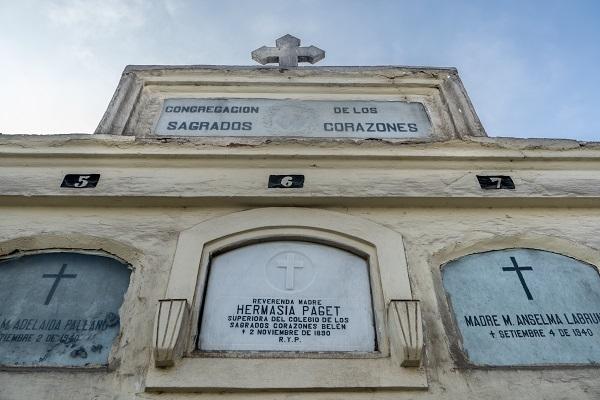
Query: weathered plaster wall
[
  {"x": 146, "y": 237},
  {"x": 151, "y": 190}
]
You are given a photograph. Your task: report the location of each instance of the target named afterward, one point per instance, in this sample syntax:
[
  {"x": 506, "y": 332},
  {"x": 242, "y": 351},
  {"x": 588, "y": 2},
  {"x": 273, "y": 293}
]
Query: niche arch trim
[{"x": 382, "y": 247}]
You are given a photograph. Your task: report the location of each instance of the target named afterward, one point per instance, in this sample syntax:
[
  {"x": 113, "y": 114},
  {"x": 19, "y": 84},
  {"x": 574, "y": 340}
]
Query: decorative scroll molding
[
  {"x": 172, "y": 318},
  {"x": 406, "y": 332}
]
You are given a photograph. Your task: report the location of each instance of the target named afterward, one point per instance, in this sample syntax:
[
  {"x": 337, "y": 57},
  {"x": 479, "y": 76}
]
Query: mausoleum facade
[{"x": 297, "y": 232}]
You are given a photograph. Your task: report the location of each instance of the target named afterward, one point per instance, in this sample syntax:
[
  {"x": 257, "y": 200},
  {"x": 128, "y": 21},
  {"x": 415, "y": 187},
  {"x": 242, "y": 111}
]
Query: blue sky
[{"x": 530, "y": 67}]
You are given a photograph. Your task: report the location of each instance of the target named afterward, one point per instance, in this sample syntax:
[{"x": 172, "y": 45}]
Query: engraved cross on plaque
[
  {"x": 57, "y": 277},
  {"x": 290, "y": 264},
  {"x": 518, "y": 270},
  {"x": 287, "y": 53}
]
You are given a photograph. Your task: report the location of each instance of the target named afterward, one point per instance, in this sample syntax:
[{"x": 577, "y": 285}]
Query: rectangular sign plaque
[
  {"x": 286, "y": 181},
  {"x": 80, "y": 181},
  {"x": 293, "y": 118},
  {"x": 493, "y": 182}
]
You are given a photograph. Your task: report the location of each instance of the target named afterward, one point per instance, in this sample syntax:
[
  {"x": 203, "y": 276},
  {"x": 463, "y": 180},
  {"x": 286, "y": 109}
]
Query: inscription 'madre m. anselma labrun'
[{"x": 288, "y": 296}]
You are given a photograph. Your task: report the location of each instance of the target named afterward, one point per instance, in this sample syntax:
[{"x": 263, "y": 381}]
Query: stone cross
[
  {"x": 287, "y": 53},
  {"x": 290, "y": 264}
]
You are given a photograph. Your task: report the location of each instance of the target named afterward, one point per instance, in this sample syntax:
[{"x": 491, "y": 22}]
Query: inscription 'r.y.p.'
[{"x": 57, "y": 277}]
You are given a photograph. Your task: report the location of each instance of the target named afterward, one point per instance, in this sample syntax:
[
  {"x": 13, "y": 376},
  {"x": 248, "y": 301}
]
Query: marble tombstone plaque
[
  {"x": 288, "y": 296},
  {"x": 59, "y": 309},
  {"x": 301, "y": 118},
  {"x": 525, "y": 307}
]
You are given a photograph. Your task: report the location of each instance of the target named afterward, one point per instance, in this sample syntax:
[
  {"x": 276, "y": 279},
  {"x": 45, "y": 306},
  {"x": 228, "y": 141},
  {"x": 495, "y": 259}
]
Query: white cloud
[
  {"x": 98, "y": 17},
  {"x": 494, "y": 74},
  {"x": 65, "y": 63},
  {"x": 174, "y": 7}
]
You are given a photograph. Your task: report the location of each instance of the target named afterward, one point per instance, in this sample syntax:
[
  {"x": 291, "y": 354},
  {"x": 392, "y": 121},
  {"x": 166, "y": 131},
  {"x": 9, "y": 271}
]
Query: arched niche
[
  {"x": 279, "y": 239},
  {"x": 60, "y": 308},
  {"x": 523, "y": 307}
]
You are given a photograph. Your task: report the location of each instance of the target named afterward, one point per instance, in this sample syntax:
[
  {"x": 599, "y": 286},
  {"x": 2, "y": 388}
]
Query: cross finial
[{"x": 287, "y": 53}]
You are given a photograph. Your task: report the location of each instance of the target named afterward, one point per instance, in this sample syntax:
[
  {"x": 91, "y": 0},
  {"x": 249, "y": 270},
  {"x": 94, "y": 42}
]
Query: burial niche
[
  {"x": 288, "y": 296},
  {"x": 525, "y": 307},
  {"x": 60, "y": 309}
]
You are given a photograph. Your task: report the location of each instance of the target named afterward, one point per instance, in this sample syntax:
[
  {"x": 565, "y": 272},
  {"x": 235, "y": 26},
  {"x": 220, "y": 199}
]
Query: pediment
[{"x": 398, "y": 104}]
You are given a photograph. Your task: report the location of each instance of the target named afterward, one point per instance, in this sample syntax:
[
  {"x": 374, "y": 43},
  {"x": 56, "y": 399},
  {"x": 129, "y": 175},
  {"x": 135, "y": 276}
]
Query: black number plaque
[
  {"x": 286, "y": 181},
  {"x": 494, "y": 182},
  {"x": 80, "y": 181}
]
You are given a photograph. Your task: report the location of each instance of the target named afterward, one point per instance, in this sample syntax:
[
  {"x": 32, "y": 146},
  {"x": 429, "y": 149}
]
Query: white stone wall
[{"x": 427, "y": 193}]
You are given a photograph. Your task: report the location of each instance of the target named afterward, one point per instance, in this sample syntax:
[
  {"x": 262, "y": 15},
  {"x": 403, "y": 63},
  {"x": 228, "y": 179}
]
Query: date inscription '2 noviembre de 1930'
[{"x": 301, "y": 118}]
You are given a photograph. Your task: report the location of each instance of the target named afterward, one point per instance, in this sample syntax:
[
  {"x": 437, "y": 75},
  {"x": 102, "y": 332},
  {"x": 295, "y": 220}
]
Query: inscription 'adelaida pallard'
[{"x": 300, "y": 118}]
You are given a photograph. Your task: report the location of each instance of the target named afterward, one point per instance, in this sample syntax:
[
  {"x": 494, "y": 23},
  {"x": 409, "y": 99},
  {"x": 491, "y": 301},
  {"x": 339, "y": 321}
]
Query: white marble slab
[
  {"x": 59, "y": 309},
  {"x": 293, "y": 118},
  {"x": 525, "y": 307},
  {"x": 288, "y": 296}
]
